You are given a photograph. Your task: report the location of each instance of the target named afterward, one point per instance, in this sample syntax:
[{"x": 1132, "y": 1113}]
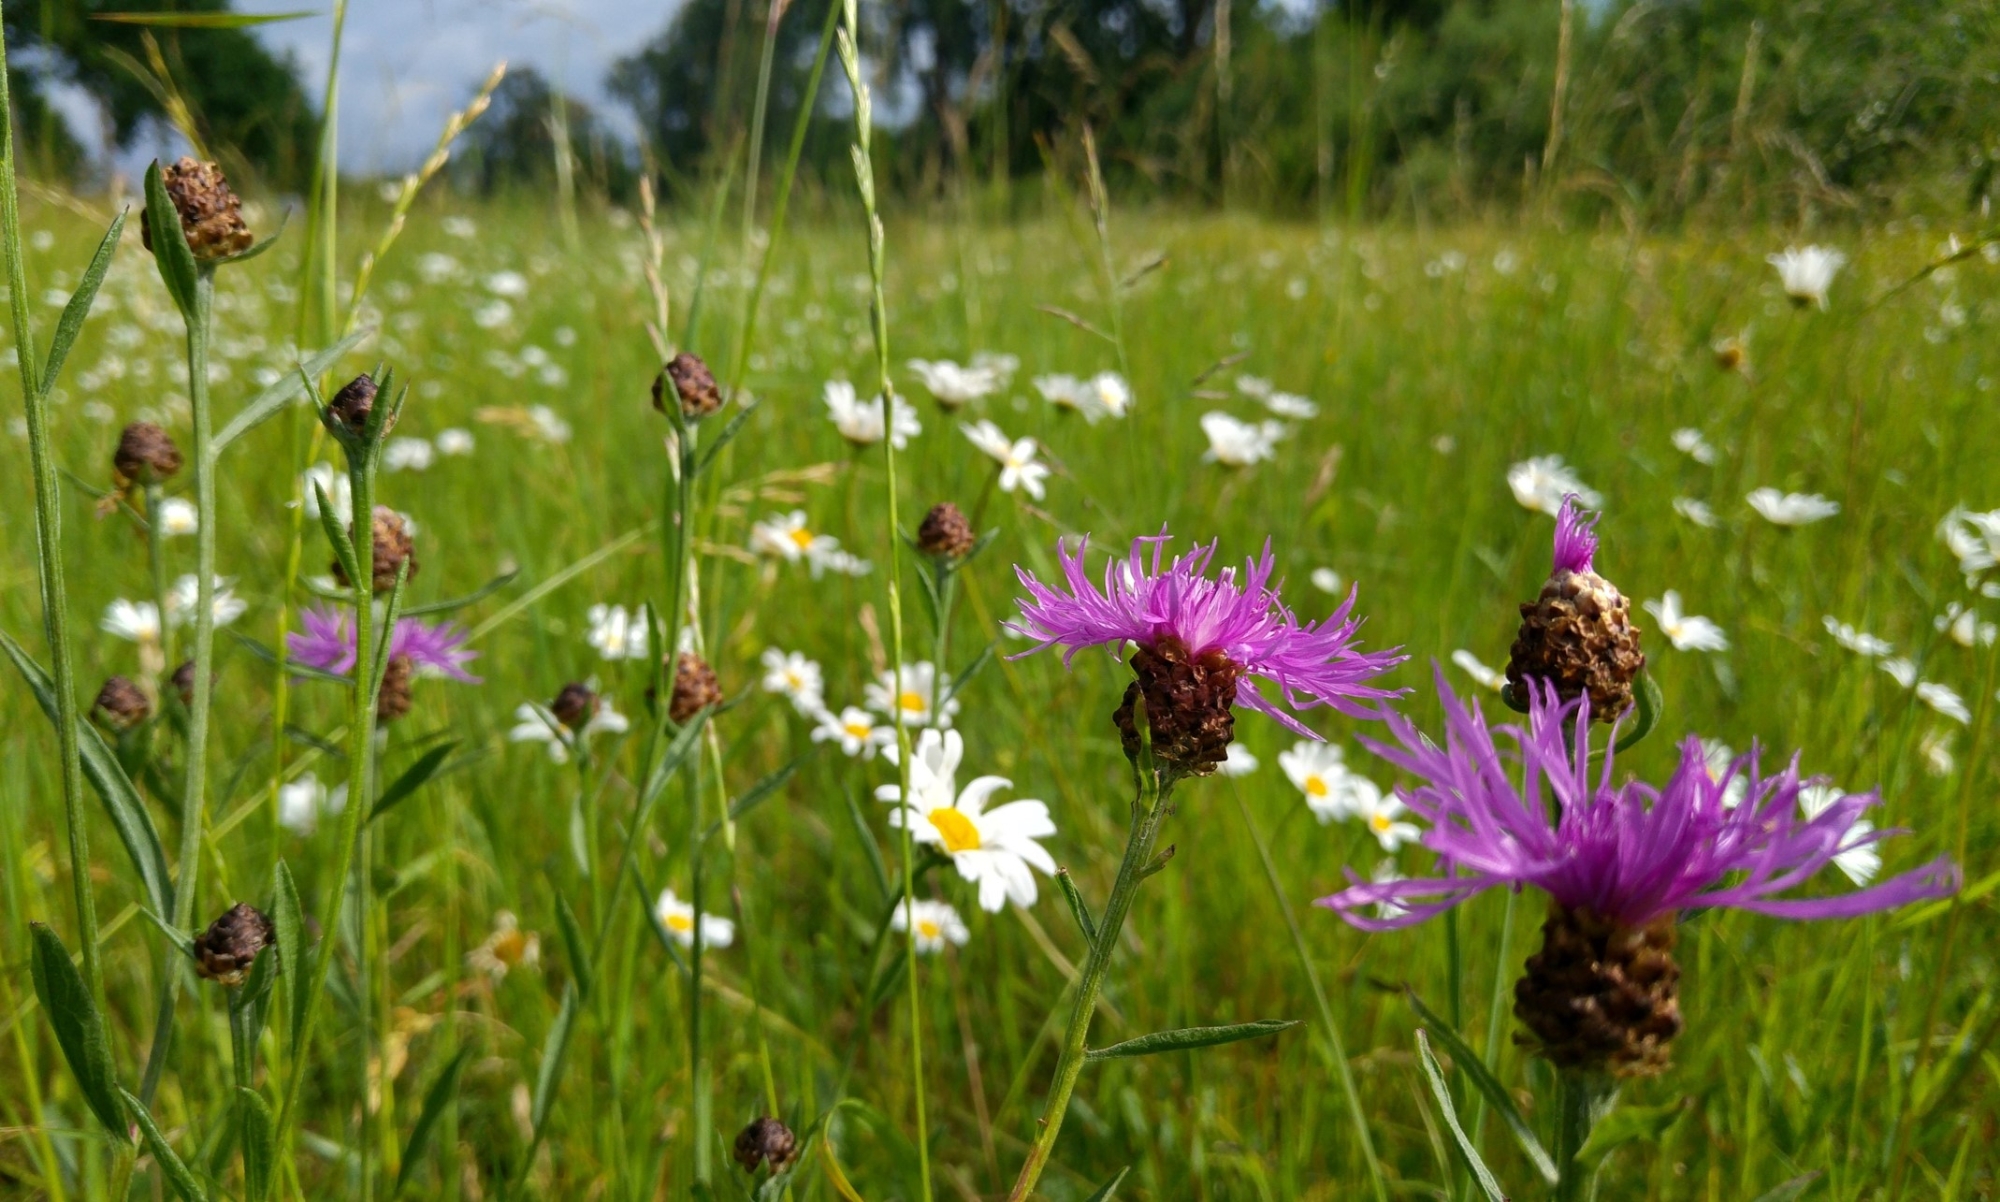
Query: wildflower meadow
[{"x": 770, "y": 694}]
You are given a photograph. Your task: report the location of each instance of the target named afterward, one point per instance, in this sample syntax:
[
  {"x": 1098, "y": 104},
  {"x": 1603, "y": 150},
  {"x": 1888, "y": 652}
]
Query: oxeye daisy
[
  {"x": 1973, "y": 538},
  {"x": 303, "y": 800},
  {"x": 797, "y": 678},
  {"x": 1791, "y": 508},
  {"x": 178, "y": 517},
  {"x": 133, "y": 621},
  {"x": 993, "y": 849},
  {"x": 507, "y": 948},
  {"x": 568, "y": 722},
  {"x": 1807, "y": 274},
  {"x": 185, "y": 597},
  {"x": 855, "y": 729},
  {"x": 1235, "y": 443},
  {"x": 1687, "y": 632},
  {"x": 1618, "y": 861},
  {"x": 861, "y": 423},
  {"x": 1333, "y": 791},
  {"x": 916, "y": 695},
  {"x": 618, "y": 633},
  {"x": 935, "y": 922},
  {"x": 1858, "y": 641},
  {"x": 1201, "y": 644},
  {"x": 1541, "y": 484},
  {"x": 955, "y": 386},
  {"x": 677, "y": 917},
  {"x": 1016, "y": 457}
]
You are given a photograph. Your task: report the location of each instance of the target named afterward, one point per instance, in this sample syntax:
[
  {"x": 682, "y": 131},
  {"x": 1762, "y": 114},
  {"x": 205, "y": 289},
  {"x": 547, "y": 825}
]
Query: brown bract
[
  {"x": 211, "y": 215},
  {"x": 1578, "y": 635},
  {"x": 765, "y": 1139},
  {"x": 575, "y": 706},
  {"x": 226, "y": 950},
  {"x": 1188, "y": 700},
  {"x": 393, "y": 548},
  {"x": 1601, "y": 996},
  {"x": 695, "y": 688},
  {"x": 694, "y": 387},
  {"x": 944, "y": 532},
  {"x": 145, "y": 455},
  {"x": 121, "y": 705},
  {"x": 394, "y": 700},
  {"x": 354, "y": 402}
]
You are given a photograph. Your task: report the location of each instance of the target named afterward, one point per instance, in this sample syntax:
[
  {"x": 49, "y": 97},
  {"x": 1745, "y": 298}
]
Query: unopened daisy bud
[
  {"x": 695, "y": 688},
  {"x": 944, "y": 533},
  {"x": 575, "y": 706},
  {"x": 145, "y": 455},
  {"x": 393, "y": 549},
  {"x": 354, "y": 402},
  {"x": 1188, "y": 706},
  {"x": 120, "y": 705},
  {"x": 693, "y": 384},
  {"x": 225, "y": 951},
  {"x": 1601, "y": 996},
  {"x": 1577, "y": 636},
  {"x": 765, "y": 1140},
  {"x": 394, "y": 700},
  {"x": 211, "y": 215}
]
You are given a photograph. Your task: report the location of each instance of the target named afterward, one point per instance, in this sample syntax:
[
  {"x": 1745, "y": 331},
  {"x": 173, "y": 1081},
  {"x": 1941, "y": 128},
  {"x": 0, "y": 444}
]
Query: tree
[{"x": 514, "y": 143}]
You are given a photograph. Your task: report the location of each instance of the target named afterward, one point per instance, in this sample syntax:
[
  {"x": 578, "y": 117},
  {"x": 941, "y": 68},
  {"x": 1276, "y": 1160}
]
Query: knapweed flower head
[
  {"x": 325, "y": 641},
  {"x": 1577, "y": 635},
  {"x": 1201, "y": 645}
]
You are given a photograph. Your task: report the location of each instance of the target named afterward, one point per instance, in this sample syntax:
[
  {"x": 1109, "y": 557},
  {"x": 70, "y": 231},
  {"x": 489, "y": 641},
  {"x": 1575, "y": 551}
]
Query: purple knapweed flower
[
  {"x": 1576, "y": 537},
  {"x": 1630, "y": 853},
  {"x": 326, "y": 642},
  {"x": 1199, "y": 643},
  {"x": 1577, "y": 634}
]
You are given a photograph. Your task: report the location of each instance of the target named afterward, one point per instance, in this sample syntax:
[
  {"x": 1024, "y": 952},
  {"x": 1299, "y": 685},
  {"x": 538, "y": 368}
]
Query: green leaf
[
  {"x": 579, "y": 947},
  {"x": 1435, "y": 1076},
  {"x": 964, "y": 678},
  {"x": 270, "y": 402},
  {"x": 457, "y": 603},
  {"x": 867, "y": 838},
  {"x": 1651, "y": 704},
  {"x": 676, "y": 754},
  {"x": 79, "y": 304},
  {"x": 415, "y": 777},
  {"x": 1786, "y": 1191},
  {"x": 1078, "y": 909},
  {"x": 1628, "y": 1124},
  {"x": 175, "y": 20},
  {"x": 758, "y": 793},
  {"x": 79, "y": 1028},
  {"x": 288, "y": 916},
  {"x": 1188, "y": 1038},
  {"x": 555, "y": 1050},
  {"x": 294, "y": 668},
  {"x": 728, "y": 435},
  {"x": 442, "y": 1093},
  {"x": 259, "y": 1138},
  {"x": 343, "y": 549},
  {"x": 129, "y": 816},
  {"x": 1109, "y": 1189},
  {"x": 170, "y": 247},
  {"x": 182, "y": 941},
  {"x": 1469, "y": 1062},
  {"x": 660, "y": 932},
  {"x": 246, "y": 1015},
  {"x": 177, "y": 1173}
]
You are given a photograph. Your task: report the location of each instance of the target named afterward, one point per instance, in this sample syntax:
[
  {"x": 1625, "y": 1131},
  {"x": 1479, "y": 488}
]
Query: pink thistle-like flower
[
  {"x": 1576, "y": 537},
  {"x": 1540, "y": 814},
  {"x": 326, "y": 641},
  {"x": 1235, "y": 623}
]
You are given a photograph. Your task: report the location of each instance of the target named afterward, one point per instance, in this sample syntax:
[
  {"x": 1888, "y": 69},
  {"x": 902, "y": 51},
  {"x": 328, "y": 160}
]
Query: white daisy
[
  {"x": 507, "y": 948},
  {"x": 1103, "y": 395},
  {"x": 1291, "y": 405},
  {"x": 920, "y": 687},
  {"x": 1697, "y": 512},
  {"x": 855, "y": 729},
  {"x": 1383, "y": 813},
  {"x": 1687, "y": 632},
  {"x": 178, "y": 516},
  {"x": 1718, "y": 757},
  {"x": 861, "y": 424},
  {"x": 547, "y": 424},
  {"x": 1858, "y": 641},
  {"x": 1692, "y": 443},
  {"x": 1962, "y": 623},
  {"x": 133, "y": 621},
  {"x": 1807, "y": 274},
  {"x": 1483, "y": 676},
  {"x": 1541, "y": 484},
  {"x": 677, "y": 917},
  {"x": 302, "y": 801},
  {"x": 1016, "y": 458},
  {"x": 1791, "y": 508},
  {"x": 1326, "y": 580},
  {"x": 1945, "y": 701},
  {"x": 408, "y": 454},
  {"x": 537, "y": 724},
  {"x": 1239, "y": 761},
  {"x": 618, "y": 633},
  {"x": 994, "y": 849},
  {"x": 955, "y": 386},
  {"x": 1973, "y": 537},
  {"x": 338, "y": 489},
  {"x": 224, "y": 604},
  {"x": 936, "y": 923},
  {"x": 1936, "y": 752},
  {"x": 1334, "y": 792},
  {"x": 454, "y": 441},
  {"x": 1235, "y": 443},
  {"x": 1858, "y": 857},
  {"x": 1255, "y": 387},
  {"x": 796, "y": 677},
  {"x": 787, "y": 536}
]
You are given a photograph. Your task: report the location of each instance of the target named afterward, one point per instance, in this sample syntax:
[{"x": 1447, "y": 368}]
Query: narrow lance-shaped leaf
[
  {"x": 172, "y": 1167},
  {"x": 453, "y": 604},
  {"x": 257, "y": 1134},
  {"x": 329, "y": 522},
  {"x": 578, "y": 947},
  {"x": 79, "y": 1027},
  {"x": 170, "y": 246},
  {"x": 1435, "y": 1076},
  {"x": 270, "y": 402},
  {"x": 415, "y": 777},
  {"x": 555, "y": 1050},
  {"x": 1109, "y": 1189},
  {"x": 442, "y": 1093},
  {"x": 1191, "y": 1037},
  {"x": 1469, "y": 1062},
  {"x": 288, "y": 916},
  {"x": 728, "y": 435},
  {"x": 1077, "y": 907},
  {"x": 79, "y": 304}
]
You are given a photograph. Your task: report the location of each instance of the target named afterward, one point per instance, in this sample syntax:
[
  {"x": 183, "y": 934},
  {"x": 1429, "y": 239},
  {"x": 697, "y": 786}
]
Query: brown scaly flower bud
[
  {"x": 394, "y": 700},
  {"x": 211, "y": 215},
  {"x": 1602, "y": 996},
  {"x": 145, "y": 455},
  {"x": 944, "y": 533},
  {"x": 695, "y": 688},
  {"x": 120, "y": 705},
  {"x": 765, "y": 1140},
  {"x": 1578, "y": 634},
  {"x": 1188, "y": 700},
  {"x": 693, "y": 383},
  {"x": 226, "y": 950},
  {"x": 354, "y": 402},
  {"x": 393, "y": 549},
  {"x": 182, "y": 682},
  {"x": 575, "y": 706}
]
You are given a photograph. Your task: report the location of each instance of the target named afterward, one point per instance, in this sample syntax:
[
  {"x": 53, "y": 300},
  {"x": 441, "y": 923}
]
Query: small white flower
[
  {"x": 302, "y": 801},
  {"x": 1016, "y": 458},
  {"x": 454, "y": 442},
  {"x": 178, "y": 516},
  {"x": 1718, "y": 757},
  {"x": 1291, "y": 405},
  {"x": 797, "y": 678},
  {"x": 1483, "y": 676},
  {"x": 1236, "y": 443},
  {"x": 920, "y": 686},
  {"x": 617, "y": 633},
  {"x": 1858, "y": 641},
  {"x": 1858, "y": 857},
  {"x": 787, "y": 537},
  {"x": 1687, "y": 632},
  {"x": 1103, "y": 395},
  {"x": 677, "y": 917},
  {"x": 185, "y": 596},
  {"x": 460, "y": 227},
  {"x": 1962, "y": 623},
  {"x": 994, "y": 849},
  {"x": 1807, "y": 274},
  {"x": 1690, "y": 442},
  {"x": 537, "y": 724},
  {"x": 1326, "y": 580},
  {"x": 1333, "y": 791},
  {"x": 492, "y": 315},
  {"x": 1541, "y": 484},
  {"x": 510, "y": 284},
  {"x": 133, "y": 621},
  {"x": 548, "y": 424},
  {"x": 1791, "y": 508},
  {"x": 861, "y": 424},
  {"x": 1255, "y": 387},
  {"x": 936, "y": 924},
  {"x": 506, "y": 949},
  {"x": 1936, "y": 752},
  {"x": 1973, "y": 537},
  {"x": 1902, "y": 669},
  {"x": 1239, "y": 761},
  {"x": 955, "y": 386},
  {"x": 1383, "y": 815},
  {"x": 339, "y": 490},
  {"x": 1695, "y": 511},
  {"x": 408, "y": 454},
  {"x": 855, "y": 729},
  {"x": 1945, "y": 701}
]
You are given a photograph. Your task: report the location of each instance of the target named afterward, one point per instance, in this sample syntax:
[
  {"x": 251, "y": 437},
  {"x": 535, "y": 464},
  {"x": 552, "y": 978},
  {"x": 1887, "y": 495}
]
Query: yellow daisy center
[
  {"x": 680, "y": 923},
  {"x": 928, "y": 929},
  {"x": 956, "y": 829},
  {"x": 509, "y": 946},
  {"x": 859, "y": 730},
  {"x": 911, "y": 701},
  {"x": 1315, "y": 787},
  {"x": 801, "y": 537},
  {"x": 1379, "y": 823}
]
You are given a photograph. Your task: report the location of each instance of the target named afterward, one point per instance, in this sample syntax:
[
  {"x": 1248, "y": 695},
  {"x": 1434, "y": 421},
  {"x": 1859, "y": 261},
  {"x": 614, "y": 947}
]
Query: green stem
[
  {"x": 1496, "y": 1010},
  {"x": 698, "y": 1068},
  {"x": 1580, "y": 1097},
  {"x": 156, "y": 557},
  {"x": 1148, "y": 811}
]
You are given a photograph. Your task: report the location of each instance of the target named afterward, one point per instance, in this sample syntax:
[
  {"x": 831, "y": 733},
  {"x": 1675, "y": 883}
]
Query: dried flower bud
[
  {"x": 226, "y": 950},
  {"x": 693, "y": 384},
  {"x": 695, "y": 688},
  {"x": 211, "y": 215},
  {"x": 944, "y": 533},
  {"x": 765, "y": 1140},
  {"x": 394, "y": 700},
  {"x": 393, "y": 549},
  {"x": 120, "y": 704},
  {"x": 145, "y": 455},
  {"x": 1601, "y": 996},
  {"x": 1729, "y": 353},
  {"x": 354, "y": 402},
  {"x": 182, "y": 682},
  {"x": 1188, "y": 700},
  {"x": 575, "y": 706},
  {"x": 1578, "y": 634}
]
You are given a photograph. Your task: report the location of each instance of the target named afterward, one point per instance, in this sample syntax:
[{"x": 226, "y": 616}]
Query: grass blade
[
  {"x": 1188, "y": 1038},
  {"x": 555, "y": 1051},
  {"x": 1786, "y": 1191},
  {"x": 289, "y": 918},
  {"x": 1109, "y": 1189},
  {"x": 172, "y": 1167},
  {"x": 78, "y": 308},
  {"x": 79, "y": 1027},
  {"x": 1496, "y": 1095},
  {"x": 173, "y": 20},
  {"x": 415, "y": 777},
  {"x": 453, "y": 604},
  {"x": 256, "y": 1130},
  {"x": 442, "y": 1093},
  {"x": 579, "y": 948},
  {"x": 270, "y": 402},
  {"x": 1435, "y": 1076}
]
